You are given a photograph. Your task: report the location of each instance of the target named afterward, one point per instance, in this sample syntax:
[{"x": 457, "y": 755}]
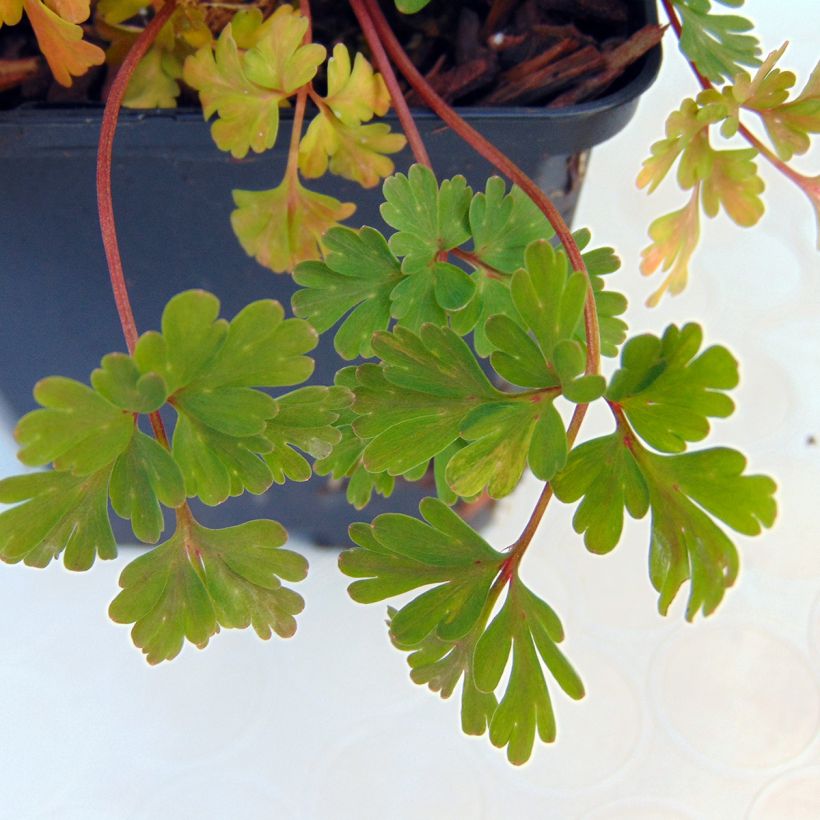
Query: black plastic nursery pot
[{"x": 172, "y": 198}]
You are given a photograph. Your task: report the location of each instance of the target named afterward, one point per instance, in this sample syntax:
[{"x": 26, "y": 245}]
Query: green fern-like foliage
[
  {"x": 431, "y": 400},
  {"x": 229, "y": 437},
  {"x": 477, "y": 401}
]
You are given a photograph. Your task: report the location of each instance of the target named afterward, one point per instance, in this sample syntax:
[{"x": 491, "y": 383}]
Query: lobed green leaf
[{"x": 202, "y": 579}]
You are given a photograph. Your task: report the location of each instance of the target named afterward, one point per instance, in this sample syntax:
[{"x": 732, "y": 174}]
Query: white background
[{"x": 716, "y": 720}]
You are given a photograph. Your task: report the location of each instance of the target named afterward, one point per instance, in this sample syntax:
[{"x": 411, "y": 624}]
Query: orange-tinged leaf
[
  {"x": 354, "y": 95},
  {"x": 61, "y": 43},
  {"x": 674, "y": 239},
  {"x": 11, "y": 11},
  {"x": 279, "y": 61},
  {"x": 685, "y": 132},
  {"x": 734, "y": 184},
  {"x": 248, "y": 115},
  {"x": 790, "y": 124},
  {"x": 356, "y": 152},
  {"x": 284, "y": 226},
  {"x": 75, "y": 11}
]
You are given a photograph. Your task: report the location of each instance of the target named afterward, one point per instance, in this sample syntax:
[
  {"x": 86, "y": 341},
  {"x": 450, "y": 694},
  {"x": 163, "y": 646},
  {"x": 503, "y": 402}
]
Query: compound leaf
[
  {"x": 668, "y": 392},
  {"x": 356, "y": 277},
  {"x": 504, "y": 224},
  {"x": 77, "y": 429},
  {"x": 285, "y": 225},
  {"x": 145, "y": 476},
  {"x": 717, "y": 43},
  {"x": 426, "y": 387},
  {"x": 305, "y": 420},
  {"x": 202, "y": 579},
  {"x": 444, "y": 629},
  {"x": 337, "y": 136},
  {"x": 60, "y": 40},
  {"x": 429, "y": 218},
  {"x": 119, "y": 380},
  {"x": 56, "y": 512}
]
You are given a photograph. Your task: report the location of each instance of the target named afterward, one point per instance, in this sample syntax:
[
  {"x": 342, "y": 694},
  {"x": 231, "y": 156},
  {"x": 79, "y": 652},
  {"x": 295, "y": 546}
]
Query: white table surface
[{"x": 716, "y": 720}]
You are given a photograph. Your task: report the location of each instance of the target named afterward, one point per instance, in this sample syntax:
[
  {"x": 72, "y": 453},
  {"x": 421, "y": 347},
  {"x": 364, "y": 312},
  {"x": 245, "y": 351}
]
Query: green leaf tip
[
  {"x": 356, "y": 278},
  {"x": 718, "y": 44},
  {"x": 684, "y": 493},
  {"x": 213, "y": 368},
  {"x": 56, "y": 512},
  {"x": 201, "y": 580},
  {"x": 445, "y": 628},
  {"x": 669, "y": 390},
  {"x": 77, "y": 429}
]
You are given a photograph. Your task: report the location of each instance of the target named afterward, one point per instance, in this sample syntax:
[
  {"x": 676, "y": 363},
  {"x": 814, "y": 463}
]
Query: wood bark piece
[
  {"x": 616, "y": 61},
  {"x": 548, "y": 80},
  {"x": 14, "y": 72}
]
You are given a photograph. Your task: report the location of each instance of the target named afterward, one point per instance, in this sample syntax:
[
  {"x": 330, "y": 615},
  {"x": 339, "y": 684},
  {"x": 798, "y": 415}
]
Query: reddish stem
[
  {"x": 381, "y": 31},
  {"x": 105, "y": 203},
  {"x": 380, "y": 36},
  {"x": 477, "y": 262},
  {"x": 104, "y": 155},
  {"x": 384, "y": 65},
  {"x": 674, "y": 21}
]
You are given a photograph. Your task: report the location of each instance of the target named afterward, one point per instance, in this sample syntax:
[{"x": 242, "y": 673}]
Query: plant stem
[
  {"x": 385, "y": 67},
  {"x": 380, "y": 36},
  {"x": 105, "y": 204},
  {"x": 292, "y": 169},
  {"x": 304, "y": 8},
  {"x": 497, "y": 158},
  {"x": 474, "y": 260}
]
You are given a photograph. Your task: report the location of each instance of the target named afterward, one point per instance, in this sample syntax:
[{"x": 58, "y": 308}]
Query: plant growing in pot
[{"x": 539, "y": 312}]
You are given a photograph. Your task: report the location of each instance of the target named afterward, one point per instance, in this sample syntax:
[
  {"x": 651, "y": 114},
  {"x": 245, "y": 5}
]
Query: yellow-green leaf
[{"x": 284, "y": 226}]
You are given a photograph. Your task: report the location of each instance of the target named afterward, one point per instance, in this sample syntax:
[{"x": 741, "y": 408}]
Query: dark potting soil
[{"x": 476, "y": 52}]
